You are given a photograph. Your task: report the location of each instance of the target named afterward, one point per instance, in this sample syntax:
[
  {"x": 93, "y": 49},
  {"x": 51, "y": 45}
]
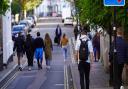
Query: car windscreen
[
  {"x": 23, "y": 24},
  {"x": 17, "y": 28}
]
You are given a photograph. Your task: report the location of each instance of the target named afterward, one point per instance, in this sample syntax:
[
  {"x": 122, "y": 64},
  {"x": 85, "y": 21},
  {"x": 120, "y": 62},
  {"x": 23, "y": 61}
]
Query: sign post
[{"x": 115, "y": 3}]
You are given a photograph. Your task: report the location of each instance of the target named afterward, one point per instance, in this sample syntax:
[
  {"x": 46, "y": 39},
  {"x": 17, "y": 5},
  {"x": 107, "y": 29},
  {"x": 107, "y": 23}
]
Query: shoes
[
  {"x": 122, "y": 87},
  {"x": 40, "y": 67},
  {"x": 20, "y": 69},
  {"x": 48, "y": 67},
  {"x": 29, "y": 69}
]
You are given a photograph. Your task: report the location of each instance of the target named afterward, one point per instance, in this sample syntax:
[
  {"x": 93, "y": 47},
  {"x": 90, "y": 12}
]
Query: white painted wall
[{"x": 7, "y": 37}]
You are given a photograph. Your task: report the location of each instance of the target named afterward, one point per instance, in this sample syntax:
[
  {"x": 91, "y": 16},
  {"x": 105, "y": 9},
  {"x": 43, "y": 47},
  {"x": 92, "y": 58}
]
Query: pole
[
  {"x": 115, "y": 66},
  {"x": 77, "y": 14}
]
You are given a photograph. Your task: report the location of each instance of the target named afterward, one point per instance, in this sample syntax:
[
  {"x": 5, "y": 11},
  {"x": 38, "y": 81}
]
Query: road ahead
[{"x": 44, "y": 79}]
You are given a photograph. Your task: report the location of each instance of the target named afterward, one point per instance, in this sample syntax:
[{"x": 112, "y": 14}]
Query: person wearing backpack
[{"x": 84, "y": 55}]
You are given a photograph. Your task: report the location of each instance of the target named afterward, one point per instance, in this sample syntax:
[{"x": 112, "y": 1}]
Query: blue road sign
[{"x": 114, "y": 2}]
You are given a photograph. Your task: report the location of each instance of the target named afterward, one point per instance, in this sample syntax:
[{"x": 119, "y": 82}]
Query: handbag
[{"x": 55, "y": 39}]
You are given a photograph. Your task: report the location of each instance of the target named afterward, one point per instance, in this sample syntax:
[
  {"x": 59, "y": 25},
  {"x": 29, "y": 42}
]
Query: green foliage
[
  {"x": 4, "y": 5},
  {"x": 95, "y": 12},
  {"x": 30, "y": 4},
  {"x": 24, "y": 5},
  {"x": 15, "y": 7}
]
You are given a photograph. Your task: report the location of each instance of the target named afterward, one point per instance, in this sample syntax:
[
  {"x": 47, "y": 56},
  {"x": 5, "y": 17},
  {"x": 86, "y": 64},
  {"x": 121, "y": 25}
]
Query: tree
[
  {"x": 15, "y": 7},
  {"x": 4, "y": 5},
  {"x": 22, "y": 6},
  {"x": 95, "y": 12},
  {"x": 27, "y": 5}
]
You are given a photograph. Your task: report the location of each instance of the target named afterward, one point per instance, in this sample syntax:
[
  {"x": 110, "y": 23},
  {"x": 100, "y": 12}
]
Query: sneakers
[
  {"x": 29, "y": 69},
  {"x": 48, "y": 67},
  {"x": 64, "y": 60},
  {"x": 122, "y": 87},
  {"x": 20, "y": 69}
]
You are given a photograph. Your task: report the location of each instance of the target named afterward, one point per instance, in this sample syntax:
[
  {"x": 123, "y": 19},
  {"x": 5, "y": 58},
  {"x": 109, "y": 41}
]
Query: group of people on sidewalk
[
  {"x": 88, "y": 51},
  {"x": 35, "y": 48}
]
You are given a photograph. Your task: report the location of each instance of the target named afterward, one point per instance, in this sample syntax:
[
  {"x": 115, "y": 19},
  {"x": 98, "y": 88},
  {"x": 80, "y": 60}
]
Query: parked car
[
  {"x": 34, "y": 18},
  {"x": 31, "y": 21},
  {"x": 18, "y": 28},
  {"x": 26, "y": 23},
  {"x": 68, "y": 21}
]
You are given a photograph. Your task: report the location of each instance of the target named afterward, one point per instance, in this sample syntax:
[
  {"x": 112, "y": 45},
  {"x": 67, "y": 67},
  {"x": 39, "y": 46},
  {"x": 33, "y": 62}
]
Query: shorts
[{"x": 19, "y": 54}]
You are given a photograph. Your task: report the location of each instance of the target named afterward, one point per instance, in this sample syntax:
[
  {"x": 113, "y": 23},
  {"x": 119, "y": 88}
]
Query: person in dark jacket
[
  {"x": 39, "y": 48},
  {"x": 96, "y": 46},
  {"x": 29, "y": 48},
  {"x": 58, "y": 34},
  {"x": 76, "y": 32},
  {"x": 121, "y": 48},
  {"x": 19, "y": 47}
]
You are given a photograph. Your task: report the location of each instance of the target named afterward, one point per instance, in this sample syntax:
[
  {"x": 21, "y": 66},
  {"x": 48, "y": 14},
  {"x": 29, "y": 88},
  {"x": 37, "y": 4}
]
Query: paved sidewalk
[
  {"x": 99, "y": 79},
  {"x": 11, "y": 68}
]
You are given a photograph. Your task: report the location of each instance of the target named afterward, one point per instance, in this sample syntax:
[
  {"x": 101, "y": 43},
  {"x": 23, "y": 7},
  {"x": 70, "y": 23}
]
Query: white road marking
[{"x": 59, "y": 84}]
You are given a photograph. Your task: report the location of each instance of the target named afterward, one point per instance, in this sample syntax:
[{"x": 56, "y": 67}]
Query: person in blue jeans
[
  {"x": 39, "y": 48},
  {"x": 64, "y": 45},
  {"x": 96, "y": 46}
]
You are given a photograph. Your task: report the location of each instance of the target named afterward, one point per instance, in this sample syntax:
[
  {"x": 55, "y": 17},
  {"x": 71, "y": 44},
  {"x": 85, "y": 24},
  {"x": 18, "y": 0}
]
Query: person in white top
[{"x": 84, "y": 66}]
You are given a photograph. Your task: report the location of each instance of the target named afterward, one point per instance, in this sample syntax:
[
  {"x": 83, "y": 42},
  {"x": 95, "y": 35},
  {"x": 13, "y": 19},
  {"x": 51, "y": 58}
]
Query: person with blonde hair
[
  {"x": 48, "y": 50},
  {"x": 64, "y": 45}
]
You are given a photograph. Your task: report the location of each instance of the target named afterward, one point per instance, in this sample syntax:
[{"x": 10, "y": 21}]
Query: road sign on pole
[{"x": 114, "y": 2}]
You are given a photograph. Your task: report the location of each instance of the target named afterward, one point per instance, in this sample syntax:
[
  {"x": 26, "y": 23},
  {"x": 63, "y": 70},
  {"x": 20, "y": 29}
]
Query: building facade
[{"x": 51, "y": 8}]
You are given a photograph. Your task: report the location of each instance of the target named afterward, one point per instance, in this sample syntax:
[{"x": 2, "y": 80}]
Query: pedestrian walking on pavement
[
  {"x": 96, "y": 46},
  {"x": 76, "y": 32},
  {"x": 48, "y": 50},
  {"x": 84, "y": 55},
  {"x": 29, "y": 49},
  {"x": 19, "y": 47},
  {"x": 58, "y": 34},
  {"x": 39, "y": 48},
  {"x": 122, "y": 55},
  {"x": 64, "y": 45}
]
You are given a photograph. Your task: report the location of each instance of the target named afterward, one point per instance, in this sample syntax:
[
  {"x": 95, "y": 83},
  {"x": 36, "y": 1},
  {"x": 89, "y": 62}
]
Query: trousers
[{"x": 84, "y": 71}]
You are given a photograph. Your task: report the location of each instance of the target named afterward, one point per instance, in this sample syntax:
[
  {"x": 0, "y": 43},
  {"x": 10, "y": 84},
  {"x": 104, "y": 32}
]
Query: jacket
[
  {"x": 121, "y": 47},
  {"x": 48, "y": 49}
]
